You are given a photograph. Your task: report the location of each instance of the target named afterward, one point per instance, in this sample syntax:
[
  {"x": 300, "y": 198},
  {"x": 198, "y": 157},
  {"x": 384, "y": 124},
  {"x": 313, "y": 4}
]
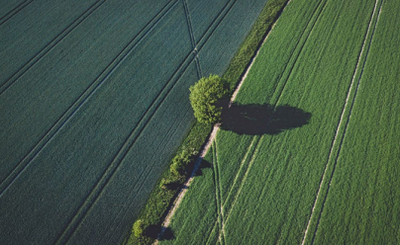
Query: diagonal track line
[
  {"x": 72, "y": 110},
  {"x": 341, "y": 120},
  {"x": 299, "y": 47},
  {"x": 180, "y": 196},
  {"x": 109, "y": 172},
  {"x": 50, "y": 46},
  {"x": 219, "y": 188},
  {"x": 14, "y": 11},
  {"x": 192, "y": 38}
]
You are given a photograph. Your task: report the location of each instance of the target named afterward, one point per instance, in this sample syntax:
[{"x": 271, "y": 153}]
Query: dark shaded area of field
[
  {"x": 254, "y": 119},
  {"x": 94, "y": 101}
]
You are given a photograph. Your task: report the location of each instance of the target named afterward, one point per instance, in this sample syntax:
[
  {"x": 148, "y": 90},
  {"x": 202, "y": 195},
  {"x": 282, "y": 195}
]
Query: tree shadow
[
  {"x": 152, "y": 231},
  {"x": 168, "y": 235},
  {"x": 203, "y": 165},
  {"x": 255, "y": 119}
]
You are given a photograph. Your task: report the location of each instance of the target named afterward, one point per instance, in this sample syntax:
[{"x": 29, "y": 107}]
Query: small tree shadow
[
  {"x": 168, "y": 235},
  {"x": 204, "y": 164},
  {"x": 152, "y": 231},
  {"x": 254, "y": 119}
]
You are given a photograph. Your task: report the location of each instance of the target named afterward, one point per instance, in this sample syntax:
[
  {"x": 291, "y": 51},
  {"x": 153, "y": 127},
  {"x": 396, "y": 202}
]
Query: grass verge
[{"x": 166, "y": 189}]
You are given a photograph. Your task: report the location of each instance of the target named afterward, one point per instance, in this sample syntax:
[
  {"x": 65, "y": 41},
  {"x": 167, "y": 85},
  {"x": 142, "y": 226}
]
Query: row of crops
[
  {"x": 94, "y": 101},
  {"x": 329, "y": 71}
]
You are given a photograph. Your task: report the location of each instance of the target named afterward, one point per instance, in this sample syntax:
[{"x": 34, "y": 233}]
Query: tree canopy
[{"x": 204, "y": 98}]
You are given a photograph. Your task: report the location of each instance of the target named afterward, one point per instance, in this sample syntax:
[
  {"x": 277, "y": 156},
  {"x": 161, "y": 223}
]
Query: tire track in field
[
  {"x": 50, "y": 46},
  {"x": 129, "y": 206},
  {"x": 21, "y": 166},
  {"x": 299, "y": 46},
  {"x": 217, "y": 196},
  {"x": 257, "y": 141},
  {"x": 82, "y": 99},
  {"x": 192, "y": 38},
  {"x": 250, "y": 150},
  {"x": 129, "y": 142},
  {"x": 14, "y": 11},
  {"x": 342, "y": 136},
  {"x": 213, "y": 135},
  {"x": 294, "y": 55},
  {"x": 133, "y": 136},
  {"x": 220, "y": 210}
]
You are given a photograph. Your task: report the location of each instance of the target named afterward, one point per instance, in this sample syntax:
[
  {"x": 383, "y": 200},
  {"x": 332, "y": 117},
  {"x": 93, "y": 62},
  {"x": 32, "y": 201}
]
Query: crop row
[
  {"x": 81, "y": 122},
  {"x": 306, "y": 77},
  {"x": 361, "y": 204}
]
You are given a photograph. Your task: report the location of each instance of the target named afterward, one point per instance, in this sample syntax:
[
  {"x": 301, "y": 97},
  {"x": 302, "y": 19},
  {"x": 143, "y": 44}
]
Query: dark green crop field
[
  {"x": 94, "y": 102},
  {"x": 311, "y": 156}
]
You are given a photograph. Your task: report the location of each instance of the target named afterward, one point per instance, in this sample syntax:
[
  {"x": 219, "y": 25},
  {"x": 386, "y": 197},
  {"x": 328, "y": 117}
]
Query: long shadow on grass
[{"x": 255, "y": 119}]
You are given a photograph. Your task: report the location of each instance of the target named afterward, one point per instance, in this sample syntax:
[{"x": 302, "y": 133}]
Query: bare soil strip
[{"x": 342, "y": 117}]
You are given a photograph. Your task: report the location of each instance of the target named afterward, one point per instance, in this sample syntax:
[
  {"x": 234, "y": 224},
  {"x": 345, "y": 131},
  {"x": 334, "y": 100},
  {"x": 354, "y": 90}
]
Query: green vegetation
[
  {"x": 83, "y": 133},
  {"x": 362, "y": 203},
  {"x": 160, "y": 199},
  {"x": 180, "y": 162},
  {"x": 138, "y": 228},
  {"x": 204, "y": 98},
  {"x": 261, "y": 189}
]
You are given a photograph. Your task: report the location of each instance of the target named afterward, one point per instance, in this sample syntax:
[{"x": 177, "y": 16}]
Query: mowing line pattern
[
  {"x": 50, "y": 46},
  {"x": 88, "y": 93},
  {"x": 351, "y": 93},
  {"x": 127, "y": 145},
  {"x": 14, "y": 11}
]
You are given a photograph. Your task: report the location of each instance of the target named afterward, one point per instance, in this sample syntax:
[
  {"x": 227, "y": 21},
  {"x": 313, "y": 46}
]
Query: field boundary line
[
  {"x": 50, "y": 46},
  {"x": 192, "y": 37},
  {"x": 182, "y": 192},
  {"x": 14, "y": 11},
  {"x": 71, "y": 111},
  {"x": 340, "y": 122}
]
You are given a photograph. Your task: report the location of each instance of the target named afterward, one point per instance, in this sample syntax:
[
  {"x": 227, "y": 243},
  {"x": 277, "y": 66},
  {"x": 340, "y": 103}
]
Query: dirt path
[{"x": 207, "y": 146}]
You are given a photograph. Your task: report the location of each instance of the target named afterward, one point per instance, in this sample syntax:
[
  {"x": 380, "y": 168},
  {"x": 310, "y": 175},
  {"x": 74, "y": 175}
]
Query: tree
[{"x": 204, "y": 98}]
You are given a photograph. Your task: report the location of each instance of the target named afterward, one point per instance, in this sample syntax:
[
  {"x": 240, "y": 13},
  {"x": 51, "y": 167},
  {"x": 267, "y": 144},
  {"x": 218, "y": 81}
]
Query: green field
[
  {"x": 94, "y": 102},
  {"x": 328, "y": 71}
]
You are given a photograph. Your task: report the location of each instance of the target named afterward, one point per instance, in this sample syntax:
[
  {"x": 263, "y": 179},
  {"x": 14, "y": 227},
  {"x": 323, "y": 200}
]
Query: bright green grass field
[
  {"x": 362, "y": 205},
  {"x": 261, "y": 189}
]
